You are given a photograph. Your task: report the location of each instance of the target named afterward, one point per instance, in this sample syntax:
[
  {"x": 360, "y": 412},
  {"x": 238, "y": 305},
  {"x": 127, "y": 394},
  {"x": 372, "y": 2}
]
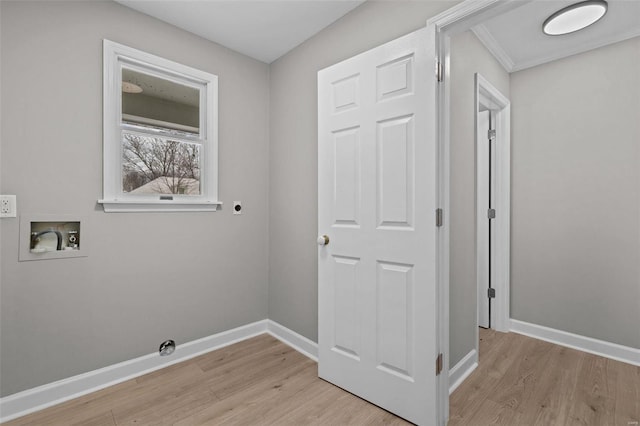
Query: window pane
[
  {"x": 155, "y": 165},
  {"x": 147, "y": 99}
]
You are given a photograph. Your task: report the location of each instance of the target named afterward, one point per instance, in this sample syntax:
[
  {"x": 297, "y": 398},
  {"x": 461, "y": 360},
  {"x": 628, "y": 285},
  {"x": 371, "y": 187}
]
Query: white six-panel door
[
  {"x": 376, "y": 205},
  {"x": 482, "y": 205}
]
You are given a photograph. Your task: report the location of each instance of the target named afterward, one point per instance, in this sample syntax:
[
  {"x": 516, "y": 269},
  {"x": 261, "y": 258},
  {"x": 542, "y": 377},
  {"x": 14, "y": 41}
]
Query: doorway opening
[{"x": 492, "y": 124}]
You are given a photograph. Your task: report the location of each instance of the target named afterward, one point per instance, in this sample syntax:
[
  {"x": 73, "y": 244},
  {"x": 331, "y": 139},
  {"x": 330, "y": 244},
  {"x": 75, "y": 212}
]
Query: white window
[{"x": 160, "y": 134}]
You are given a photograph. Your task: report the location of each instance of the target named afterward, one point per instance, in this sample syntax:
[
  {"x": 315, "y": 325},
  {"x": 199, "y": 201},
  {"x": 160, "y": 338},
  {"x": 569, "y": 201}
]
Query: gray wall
[
  {"x": 293, "y": 181},
  {"x": 468, "y": 56},
  {"x": 149, "y": 277},
  {"x": 575, "y": 253}
]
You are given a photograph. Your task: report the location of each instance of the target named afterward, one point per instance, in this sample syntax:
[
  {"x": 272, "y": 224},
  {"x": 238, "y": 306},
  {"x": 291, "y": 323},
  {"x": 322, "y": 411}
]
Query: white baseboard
[
  {"x": 31, "y": 400},
  {"x": 296, "y": 341},
  {"x": 575, "y": 341},
  {"x": 462, "y": 370}
]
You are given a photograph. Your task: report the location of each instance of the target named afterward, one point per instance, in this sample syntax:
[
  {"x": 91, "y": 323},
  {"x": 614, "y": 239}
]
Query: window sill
[{"x": 126, "y": 206}]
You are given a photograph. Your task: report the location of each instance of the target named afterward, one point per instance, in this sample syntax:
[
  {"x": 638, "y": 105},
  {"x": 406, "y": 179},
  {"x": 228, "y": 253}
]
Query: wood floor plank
[
  {"x": 258, "y": 408},
  {"x": 255, "y": 388},
  {"x": 271, "y": 364},
  {"x": 519, "y": 382},
  {"x": 166, "y": 406},
  {"x": 73, "y": 417},
  {"x": 316, "y": 401},
  {"x": 154, "y": 394},
  {"x": 233, "y": 356},
  {"x": 81, "y": 409},
  {"x": 492, "y": 413},
  {"x": 627, "y": 404},
  {"x": 594, "y": 402},
  {"x": 554, "y": 403},
  {"x": 357, "y": 412}
]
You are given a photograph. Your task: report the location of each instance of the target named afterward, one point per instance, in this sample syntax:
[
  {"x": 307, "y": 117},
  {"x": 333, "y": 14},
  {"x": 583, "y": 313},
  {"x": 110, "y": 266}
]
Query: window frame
[{"x": 115, "y": 56}]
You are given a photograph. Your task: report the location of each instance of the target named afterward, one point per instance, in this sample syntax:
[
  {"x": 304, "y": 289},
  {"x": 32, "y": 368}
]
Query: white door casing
[
  {"x": 376, "y": 203},
  {"x": 487, "y": 97}
]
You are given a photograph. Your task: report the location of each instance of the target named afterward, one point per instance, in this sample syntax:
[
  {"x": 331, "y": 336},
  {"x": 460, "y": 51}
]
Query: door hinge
[
  {"x": 491, "y": 293},
  {"x": 491, "y": 213},
  {"x": 439, "y": 71},
  {"x": 439, "y": 218},
  {"x": 439, "y": 362},
  {"x": 491, "y": 134}
]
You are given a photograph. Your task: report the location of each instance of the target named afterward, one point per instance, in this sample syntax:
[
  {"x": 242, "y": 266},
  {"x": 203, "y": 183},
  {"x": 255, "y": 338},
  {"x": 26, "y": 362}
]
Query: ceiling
[
  {"x": 263, "y": 30},
  {"x": 267, "y": 29},
  {"x": 516, "y": 39}
]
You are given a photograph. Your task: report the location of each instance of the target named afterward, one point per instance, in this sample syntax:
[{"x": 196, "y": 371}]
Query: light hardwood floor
[
  {"x": 261, "y": 381},
  {"x": 525, "y": 381}
]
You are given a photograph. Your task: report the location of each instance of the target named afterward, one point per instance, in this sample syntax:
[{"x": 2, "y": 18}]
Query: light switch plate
[{"x": 7, "y": 206}]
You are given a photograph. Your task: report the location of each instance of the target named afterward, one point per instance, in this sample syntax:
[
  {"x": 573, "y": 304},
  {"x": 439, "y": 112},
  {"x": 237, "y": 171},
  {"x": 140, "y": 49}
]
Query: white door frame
[
  {"x": 486, "y": 95},
  {"x": 457, "y": 19}
]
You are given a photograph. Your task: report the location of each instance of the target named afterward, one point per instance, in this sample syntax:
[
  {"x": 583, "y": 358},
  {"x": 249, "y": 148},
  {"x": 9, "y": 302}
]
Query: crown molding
[
  {"x": 492, "y": 45},
  {"x": 584, "y": 47}
]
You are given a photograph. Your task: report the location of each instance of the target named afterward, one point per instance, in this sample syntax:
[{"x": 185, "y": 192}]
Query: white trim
[
  {"x": 462, "y": 370},
  {"x": 460, "y": 12},
  {"x": 575, "y": 341},
  {"x": 492, "y": 45},
  {"x": 41, "y": 397},
  {"x": 128, "y": 206},
  {"x": 443, "y": 242},
  {"x": 470, "y": 13},
  {"x": 615, "y": 38},
  {"x": 306, "y": 347},
  {"x": 159, "y": 123}
]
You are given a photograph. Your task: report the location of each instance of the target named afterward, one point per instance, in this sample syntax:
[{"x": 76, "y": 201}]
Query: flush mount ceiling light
[
  {"x": 130, "y": 87},
  {"x": 575, "y": 17}
]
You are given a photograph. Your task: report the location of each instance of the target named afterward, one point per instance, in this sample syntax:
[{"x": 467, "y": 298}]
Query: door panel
[
  {"x": 346, "y": 201},
  {"x": 395, "y": 306},
  {"x": 345, "y": 286},
  {"x": 394, "y": 78},
  {"x": 376, "y": 202},
  {"x": 482, "y": 204},
  {"x": 345, "y": 93},
  {"x": 395, "y": 172}
]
